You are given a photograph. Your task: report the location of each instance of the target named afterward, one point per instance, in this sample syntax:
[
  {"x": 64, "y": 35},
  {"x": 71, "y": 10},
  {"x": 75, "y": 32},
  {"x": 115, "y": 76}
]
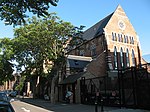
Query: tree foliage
[
  {"x": 6, "y": 67},
  {"x": 20, "y": 85},
  {"x": 15, "y": 11},
  {"x": 5, "y": 70},
  {"x": 39, "y": 44},
  {"x": 76, "y": 38},
  {"x": 40, "y": 41}
]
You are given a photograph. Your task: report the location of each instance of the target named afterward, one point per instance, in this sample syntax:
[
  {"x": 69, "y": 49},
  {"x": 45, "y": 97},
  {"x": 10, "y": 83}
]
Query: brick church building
[{"x": 109, "y": 45}]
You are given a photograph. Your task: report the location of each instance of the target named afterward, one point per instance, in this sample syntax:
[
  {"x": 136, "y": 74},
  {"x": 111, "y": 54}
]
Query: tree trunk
[
  {"x": 35, "y": 87},
  {"x": 53, "y": 96}
]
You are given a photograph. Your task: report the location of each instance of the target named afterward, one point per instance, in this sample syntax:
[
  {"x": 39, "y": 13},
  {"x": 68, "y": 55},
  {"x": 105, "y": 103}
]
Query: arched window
[
  {"x": 127, "y": 58},
  {"x": 119, "y": 37},
  {"x": 125, "y": 40},
  {"x": 93, "y": 50},
  {"x": 133, "y": 58},
  {"x": 81, "y": 52},
  {"x": 113, "y": 36},
  {"x": 121, "y": 58},
  {"x": 115, "y": 58},
  {"x": 132, "y": 40}
]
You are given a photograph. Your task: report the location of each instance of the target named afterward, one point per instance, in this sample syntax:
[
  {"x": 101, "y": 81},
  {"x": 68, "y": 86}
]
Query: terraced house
[{"x": 109, "y": 45}]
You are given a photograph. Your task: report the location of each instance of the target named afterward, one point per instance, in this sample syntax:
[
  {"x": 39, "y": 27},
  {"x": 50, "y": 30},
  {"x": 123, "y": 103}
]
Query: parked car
[
  {"x": 13, "y": 94},
  {"x": 7, "y": 92},
  {"x": 3, "y": 96},
  {"x": 6, "y": 107}
]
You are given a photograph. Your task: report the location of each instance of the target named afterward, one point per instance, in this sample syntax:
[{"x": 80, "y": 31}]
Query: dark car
[
  {"x": 6, "y": 107},
  {"x": 3, "y": 96},
  {"x": 13, "y": 93},
  {"x": 7, "y": 92}
]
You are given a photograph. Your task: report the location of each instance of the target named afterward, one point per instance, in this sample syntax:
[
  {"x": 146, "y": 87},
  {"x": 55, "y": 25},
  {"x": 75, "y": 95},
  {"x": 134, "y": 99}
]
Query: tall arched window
[
  {"x": 113, "y": 36},
  {"x": 121, "y": 58},
  {"x": 125, "y": 40},
  {"x": 127, "y": 58},
  {"x": 119, "y": 37},
  {"x": 93, "y": 50},
  {"x": 115, "y": 58},
  {"x": 133, "y": 58},
  {"x": 132, "y": 40}
]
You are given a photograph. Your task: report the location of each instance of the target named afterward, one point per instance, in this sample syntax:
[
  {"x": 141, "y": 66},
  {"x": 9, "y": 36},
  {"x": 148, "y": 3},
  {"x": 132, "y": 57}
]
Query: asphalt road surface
[
  {"x": 34, "y": 105},
  {"x": 20, "y": 106}
]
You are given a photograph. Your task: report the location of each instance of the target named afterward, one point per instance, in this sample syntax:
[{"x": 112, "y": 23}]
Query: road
[
  {"x": 38, "y": 105},
  {"x": 20, "y": 106}
]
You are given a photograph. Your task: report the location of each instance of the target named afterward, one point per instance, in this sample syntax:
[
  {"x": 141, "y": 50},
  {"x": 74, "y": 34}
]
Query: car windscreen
[{"x": 6, "y": 108}]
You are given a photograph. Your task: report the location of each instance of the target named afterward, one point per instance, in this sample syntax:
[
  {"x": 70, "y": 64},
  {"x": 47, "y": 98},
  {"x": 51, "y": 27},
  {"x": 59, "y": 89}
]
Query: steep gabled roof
[{"x": 96, "y": 29}]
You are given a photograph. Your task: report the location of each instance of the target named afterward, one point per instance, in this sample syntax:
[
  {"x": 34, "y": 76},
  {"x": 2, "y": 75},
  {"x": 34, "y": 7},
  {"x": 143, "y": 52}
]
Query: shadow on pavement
[
  {"x": 37, "y": 102},
  {"x": 64, "y": 107}
]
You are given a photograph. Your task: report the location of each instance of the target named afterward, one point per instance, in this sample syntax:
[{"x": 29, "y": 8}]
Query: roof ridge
[
  {"x": 97, "y": 28},
  {"x": 99, "y": 21}
]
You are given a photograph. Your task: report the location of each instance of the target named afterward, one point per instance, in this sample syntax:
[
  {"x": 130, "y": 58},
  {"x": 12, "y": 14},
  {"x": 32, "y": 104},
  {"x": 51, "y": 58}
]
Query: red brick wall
[
  {"x": 99, "y": 42},
  {"x": 98, "y": 66}
]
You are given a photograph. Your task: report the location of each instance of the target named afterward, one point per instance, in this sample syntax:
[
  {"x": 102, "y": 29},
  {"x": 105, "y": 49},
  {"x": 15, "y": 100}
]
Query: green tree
[
  {"x": 40, "y": 41},
  {"x": 37, "y": 43},
  {"x": 6, "y": 70},
  {"x": 76, "y": 37},
  {"x": 14, "y": 11},
  {"x": 6, "y": 67}
]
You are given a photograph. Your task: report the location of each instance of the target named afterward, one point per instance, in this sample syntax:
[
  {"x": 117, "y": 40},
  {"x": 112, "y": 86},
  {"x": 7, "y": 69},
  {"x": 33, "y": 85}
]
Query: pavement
[{"x": 64, "y": 107}]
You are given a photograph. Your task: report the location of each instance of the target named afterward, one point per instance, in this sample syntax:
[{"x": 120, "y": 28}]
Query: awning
[
  {"x": 72, "y": 78},
  {"x": 78, "y": 61}
]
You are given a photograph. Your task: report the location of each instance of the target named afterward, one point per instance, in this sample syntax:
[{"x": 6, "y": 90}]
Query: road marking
[{"x": 25, "y": 109}]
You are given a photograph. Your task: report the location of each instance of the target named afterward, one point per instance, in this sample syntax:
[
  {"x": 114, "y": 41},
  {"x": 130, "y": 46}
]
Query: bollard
[
  {"x": 96, "y": 101},
  {"x": 96, "y": 109},
  {"x": 102, "y": 107}
]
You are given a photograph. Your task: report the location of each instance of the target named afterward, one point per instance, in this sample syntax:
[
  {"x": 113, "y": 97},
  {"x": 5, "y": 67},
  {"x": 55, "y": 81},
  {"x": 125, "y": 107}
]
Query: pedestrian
[{"x": 68, "y": 96}]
